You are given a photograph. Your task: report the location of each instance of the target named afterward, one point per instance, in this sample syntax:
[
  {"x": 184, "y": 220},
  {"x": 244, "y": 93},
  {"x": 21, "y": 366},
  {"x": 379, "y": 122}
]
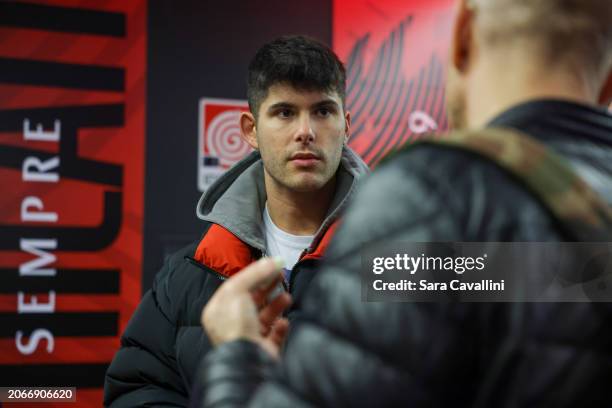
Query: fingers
[
  {"x": 232, "y": 311},
  {"x": 269, "y": 314},
  {"x": 275, "y": 291},
  {"x": 273, "y": 342},
  {"x": 279, "y": 331},
  {"x": 267, "y": 295},
  {"x": 258, "y": 275}
]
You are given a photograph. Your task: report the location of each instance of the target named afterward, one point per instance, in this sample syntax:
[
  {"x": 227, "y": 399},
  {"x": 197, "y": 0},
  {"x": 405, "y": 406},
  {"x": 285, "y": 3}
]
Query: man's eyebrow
[
  {"x": 286, "y": 105},
  {"x": 326, "y": 103},
  {"x": 280, "y": 105}
]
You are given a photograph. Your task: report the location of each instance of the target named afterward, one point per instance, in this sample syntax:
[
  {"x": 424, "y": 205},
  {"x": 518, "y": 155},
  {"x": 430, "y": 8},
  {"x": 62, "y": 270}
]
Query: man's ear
[
  {"x": 462, "y": 41},
  {"x": 347, "y": 126},
  {"x": 605, "y": 97},
  {"x": 248, "y": 129}
]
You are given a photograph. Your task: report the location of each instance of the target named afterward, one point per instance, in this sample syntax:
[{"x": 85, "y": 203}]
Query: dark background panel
[{"x": 200, "y": 49}]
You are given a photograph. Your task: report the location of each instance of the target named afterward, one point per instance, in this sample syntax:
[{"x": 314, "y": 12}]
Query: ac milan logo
[{"x": 220, "y": 144}]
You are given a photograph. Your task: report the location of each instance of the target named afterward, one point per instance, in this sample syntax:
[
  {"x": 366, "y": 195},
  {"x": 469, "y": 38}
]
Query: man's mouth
[{"x": 304, "y": 159}]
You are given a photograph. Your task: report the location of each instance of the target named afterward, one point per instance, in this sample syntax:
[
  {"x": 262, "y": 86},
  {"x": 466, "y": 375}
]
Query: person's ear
[
  {"x": 347, "y": 126},
  {"x": 605, "y": 97},
  {"x": 463, "y": 36},
  {"x": 248, "y": 129}
]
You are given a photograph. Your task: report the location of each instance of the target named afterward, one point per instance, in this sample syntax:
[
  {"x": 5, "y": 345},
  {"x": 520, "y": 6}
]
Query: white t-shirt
[{"x": 281, "y": 243}]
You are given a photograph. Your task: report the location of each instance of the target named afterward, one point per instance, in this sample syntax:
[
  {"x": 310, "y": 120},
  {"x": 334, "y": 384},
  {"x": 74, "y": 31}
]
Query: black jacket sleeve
[
  {"x": 239, "y": 368},
  {"x": 144, "y": 371}
]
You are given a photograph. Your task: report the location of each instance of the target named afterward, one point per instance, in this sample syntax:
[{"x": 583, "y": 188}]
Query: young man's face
[{"x": 300, "y": 135}]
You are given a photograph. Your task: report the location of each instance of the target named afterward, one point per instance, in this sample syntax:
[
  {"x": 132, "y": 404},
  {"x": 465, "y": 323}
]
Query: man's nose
[{"x": 305, "y": 133}]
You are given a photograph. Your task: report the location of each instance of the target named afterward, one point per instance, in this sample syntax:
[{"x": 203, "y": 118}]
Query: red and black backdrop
[{"x": 99, "y": 137}]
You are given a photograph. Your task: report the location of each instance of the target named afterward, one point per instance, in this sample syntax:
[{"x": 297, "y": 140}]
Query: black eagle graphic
[{"x": 386, "y": 107}]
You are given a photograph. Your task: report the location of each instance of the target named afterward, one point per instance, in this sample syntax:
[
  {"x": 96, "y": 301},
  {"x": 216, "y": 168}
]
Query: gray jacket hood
[{"x": 236, "y": 200}]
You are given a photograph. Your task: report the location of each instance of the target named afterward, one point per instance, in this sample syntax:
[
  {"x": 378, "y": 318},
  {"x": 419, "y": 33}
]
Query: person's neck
[
  {"x": 298, "y": 213},
  {"x": 497, "y": 87}
]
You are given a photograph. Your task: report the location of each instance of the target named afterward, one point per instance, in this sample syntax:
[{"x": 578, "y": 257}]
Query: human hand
[{"x": 240, "y": 308}]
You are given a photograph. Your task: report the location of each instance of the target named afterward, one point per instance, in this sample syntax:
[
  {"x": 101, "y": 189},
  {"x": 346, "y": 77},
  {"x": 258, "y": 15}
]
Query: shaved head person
[{"x": 530, "y": 161}]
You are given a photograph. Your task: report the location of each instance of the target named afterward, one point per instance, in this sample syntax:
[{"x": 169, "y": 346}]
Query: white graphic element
[
  {"x": 219, "y": 143},
  {"x": 420, "y": 122},
  {"x": 224, "y": 140}
]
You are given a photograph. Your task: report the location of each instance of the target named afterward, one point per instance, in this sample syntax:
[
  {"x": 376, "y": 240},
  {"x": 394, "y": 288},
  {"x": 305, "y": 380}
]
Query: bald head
[
  {"x": 576, "y": 34},
  {"x": 505, "y": 52}
]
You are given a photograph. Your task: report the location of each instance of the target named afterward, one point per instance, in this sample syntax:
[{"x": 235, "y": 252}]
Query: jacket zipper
[
  {"x": 205, "y": 269},
  {"x": 290, "y": 282}
]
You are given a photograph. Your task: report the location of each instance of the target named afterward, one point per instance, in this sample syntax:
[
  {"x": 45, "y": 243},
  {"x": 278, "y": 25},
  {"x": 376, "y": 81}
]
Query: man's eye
[
  {"x": 285, "y": 113},
  {"x": 323, "y": 112}
]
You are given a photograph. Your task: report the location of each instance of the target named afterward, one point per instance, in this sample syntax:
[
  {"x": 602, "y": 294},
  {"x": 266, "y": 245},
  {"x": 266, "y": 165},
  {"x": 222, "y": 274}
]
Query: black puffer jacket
[{"x": 351, "y": 353}]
